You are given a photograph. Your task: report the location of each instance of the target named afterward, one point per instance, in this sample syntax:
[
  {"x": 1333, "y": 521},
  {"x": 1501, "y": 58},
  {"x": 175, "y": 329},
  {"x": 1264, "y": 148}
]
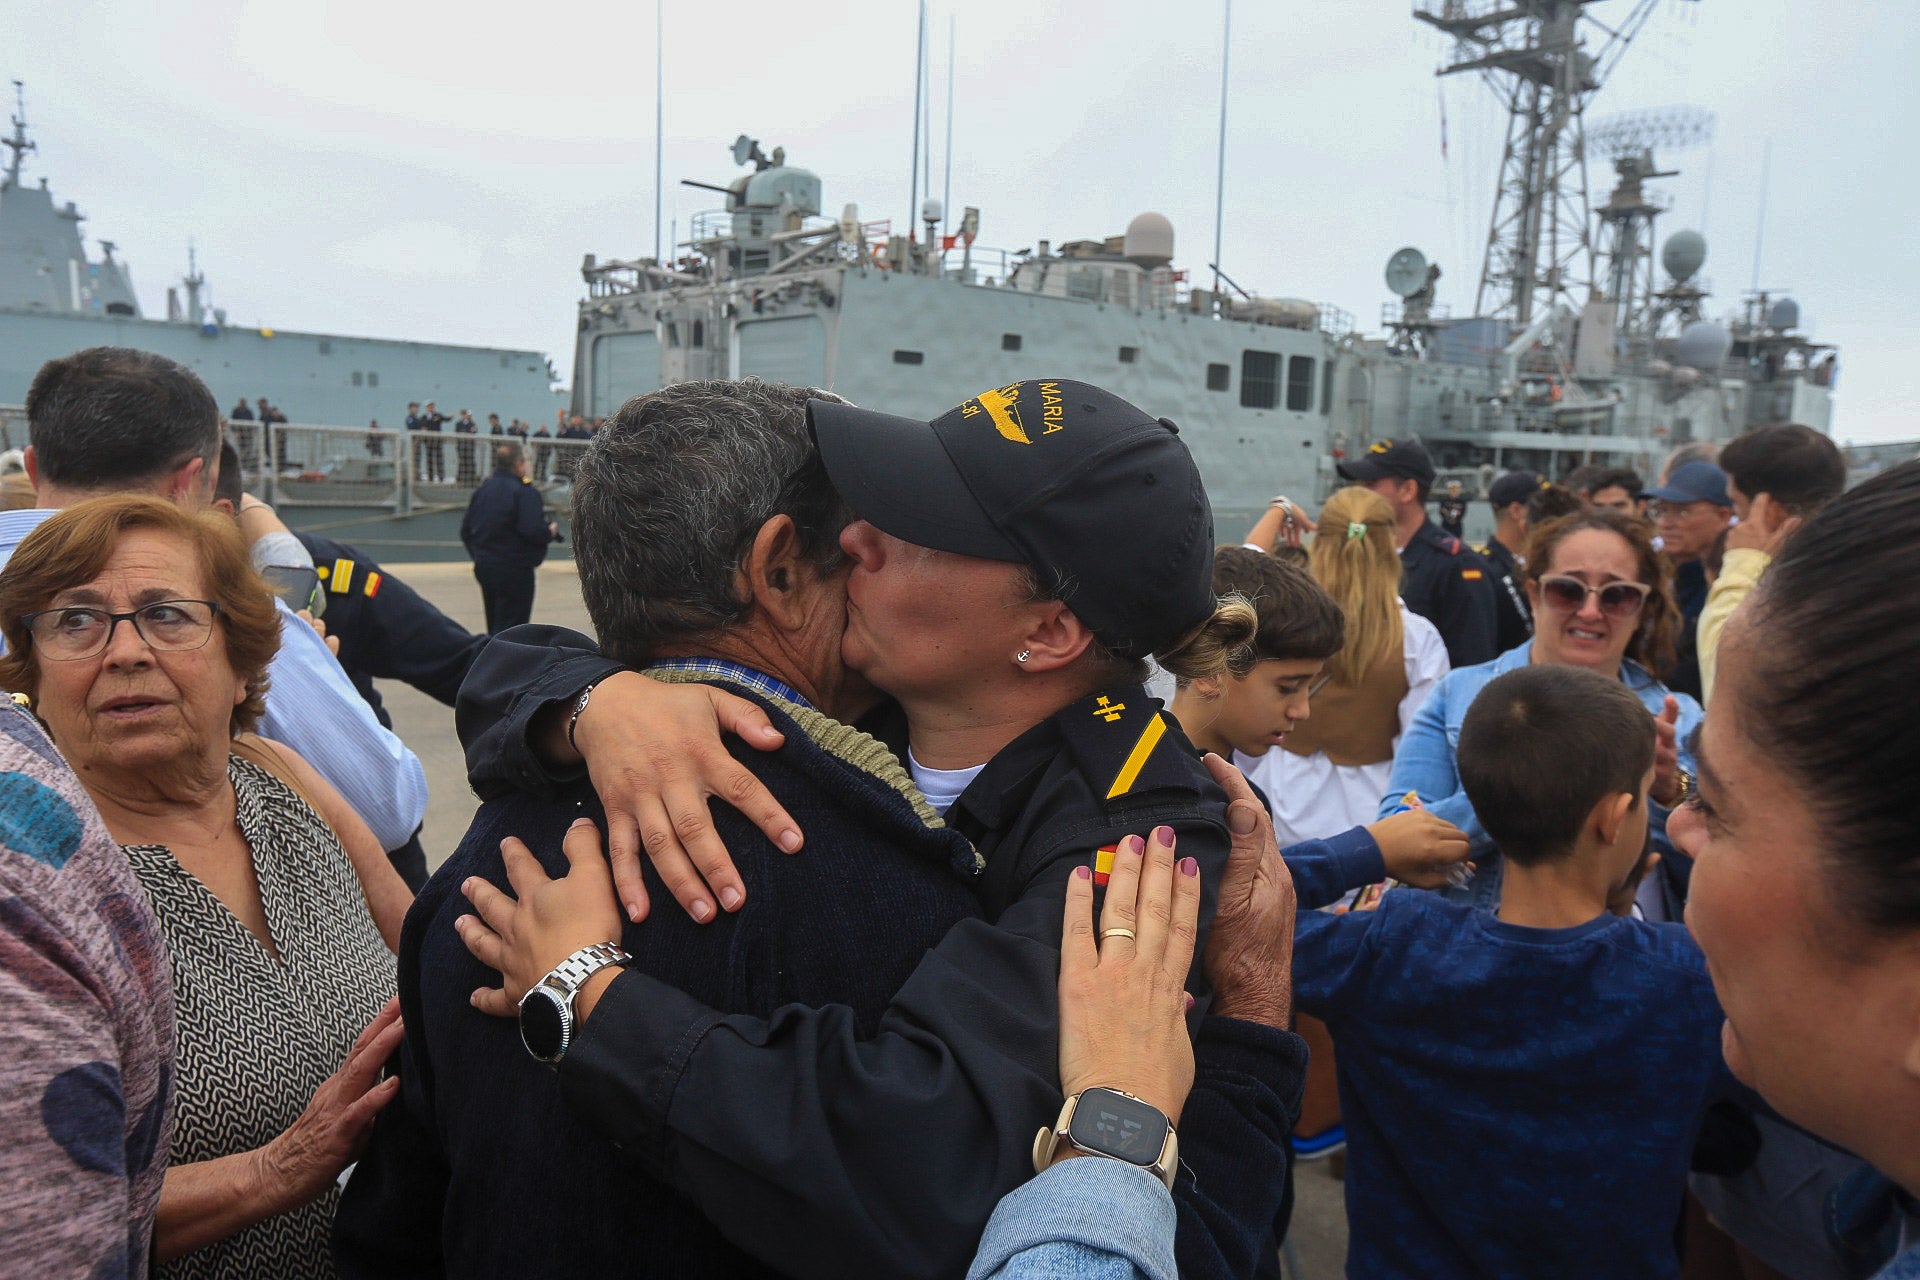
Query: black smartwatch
[
  {"x": 546, "y": 1011},
  {"x": 1119, "y": 1126}
]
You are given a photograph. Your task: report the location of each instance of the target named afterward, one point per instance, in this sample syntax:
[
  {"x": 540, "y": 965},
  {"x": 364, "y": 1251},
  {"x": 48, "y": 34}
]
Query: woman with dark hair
[
  {"x": 269, "y": 922},
  {"x": 1602, "y": 599},
  {"x": 1805, "y": 893}
]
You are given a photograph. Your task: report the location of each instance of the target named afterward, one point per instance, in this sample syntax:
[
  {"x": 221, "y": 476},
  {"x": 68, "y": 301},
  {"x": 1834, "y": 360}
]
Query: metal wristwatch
[
  {"x": 546, "y": 1011},
  {"x": 1108, "y": 1122}
]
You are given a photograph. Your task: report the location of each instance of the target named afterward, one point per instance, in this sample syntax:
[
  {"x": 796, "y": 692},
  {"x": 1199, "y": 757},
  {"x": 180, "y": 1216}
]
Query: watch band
[{"x": 572, "y": 973}]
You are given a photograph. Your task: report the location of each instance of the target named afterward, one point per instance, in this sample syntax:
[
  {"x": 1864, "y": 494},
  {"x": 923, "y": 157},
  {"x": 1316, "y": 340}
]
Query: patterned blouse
[{"x": 257, "y": 1035}]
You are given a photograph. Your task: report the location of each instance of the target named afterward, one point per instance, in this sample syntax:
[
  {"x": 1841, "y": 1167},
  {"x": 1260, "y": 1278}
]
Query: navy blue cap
[
  {"x": 1401, "y": 459},
  {"x": 1061, "y": 476},
  {"x": 1693, "y": 482},
  {"x": 1514, "y": 486}
]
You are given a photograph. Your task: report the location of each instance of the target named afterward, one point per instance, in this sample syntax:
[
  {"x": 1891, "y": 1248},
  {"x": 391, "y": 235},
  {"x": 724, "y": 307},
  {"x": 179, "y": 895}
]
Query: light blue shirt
[
  {"x": 314, "y": 708},
  {"x": 1089, "y": 1218},
  {"x": 1426, "y": 762}
]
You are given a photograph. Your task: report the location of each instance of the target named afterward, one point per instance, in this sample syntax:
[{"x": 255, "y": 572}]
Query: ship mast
[
  {"x": 18, "y": 143},
  {"x": 1533, "y": 55}
]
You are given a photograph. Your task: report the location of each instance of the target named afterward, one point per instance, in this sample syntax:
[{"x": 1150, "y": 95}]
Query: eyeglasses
[
  {"x": 168, "y": 626},
  {"x": 1318, "y": 685},
  {"x": 1617, "y": 599}
]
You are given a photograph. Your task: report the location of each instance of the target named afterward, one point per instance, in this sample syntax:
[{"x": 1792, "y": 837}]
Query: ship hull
[{"x": 311, "y": 377}]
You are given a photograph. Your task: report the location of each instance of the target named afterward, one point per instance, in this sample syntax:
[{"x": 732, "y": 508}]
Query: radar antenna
[
  {"x": 1627, "y": 218},
  {"x": 18, "y": 143},
  {"x": 1533, "y": 55}
]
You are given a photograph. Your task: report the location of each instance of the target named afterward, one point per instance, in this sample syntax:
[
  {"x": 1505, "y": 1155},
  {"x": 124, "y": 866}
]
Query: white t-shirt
[
  {"x": 1311, "y": 796},
  {"x": 941, "y": 787}
]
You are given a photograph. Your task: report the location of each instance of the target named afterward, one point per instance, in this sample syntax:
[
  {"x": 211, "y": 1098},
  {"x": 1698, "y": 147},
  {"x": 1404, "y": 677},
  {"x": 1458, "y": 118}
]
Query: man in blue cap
[
  {"x": 1441, "y": 578},
  {"x": 1694, "y": 511}
]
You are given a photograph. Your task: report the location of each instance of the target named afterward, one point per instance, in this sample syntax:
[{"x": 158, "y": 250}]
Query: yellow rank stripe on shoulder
[
  {"x": 342, "y": 576},
  {"x": 1137, "y": 758}
]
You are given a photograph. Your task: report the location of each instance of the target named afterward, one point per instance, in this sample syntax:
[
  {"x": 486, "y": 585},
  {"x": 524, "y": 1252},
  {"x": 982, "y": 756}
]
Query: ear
[
  {"x": 33, "y": 468},
  {"x": 186, "y": 477},
  {"x": 1055, "y": 637},
  {"x": 1610, "y": 815},
  {"x": 1207, "y": 688},
  {"x": 775, "y": 575}
]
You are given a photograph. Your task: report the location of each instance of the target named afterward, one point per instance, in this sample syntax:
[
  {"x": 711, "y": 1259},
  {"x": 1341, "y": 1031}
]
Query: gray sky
[{"x": 420, "y": 172}]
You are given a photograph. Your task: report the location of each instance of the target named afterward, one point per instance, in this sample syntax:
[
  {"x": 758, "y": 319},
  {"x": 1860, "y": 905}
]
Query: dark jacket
[
  {"x": 967, "y": 1051},
  {"x": 506, "y": 523},
  {"x": 480, "y": 1168},
  {"x": 1513, "y": 616},
  {"x": 387, "y": 630},
  {"x": 1445, "y": 583}
]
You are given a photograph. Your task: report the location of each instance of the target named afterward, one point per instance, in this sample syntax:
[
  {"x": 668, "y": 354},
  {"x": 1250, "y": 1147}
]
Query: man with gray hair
[
  {"x": 116, "y": 420},
  {"x": 707, "y": 539}
]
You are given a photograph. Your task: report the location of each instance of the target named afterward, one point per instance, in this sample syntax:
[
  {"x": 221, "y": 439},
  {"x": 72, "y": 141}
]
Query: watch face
[
  {"x": 543, "y": 1024},
  {"x": 1118, "y": 1126}
]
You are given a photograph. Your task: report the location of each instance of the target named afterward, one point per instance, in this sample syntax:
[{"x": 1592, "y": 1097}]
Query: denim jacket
[{"x": 1425, "y": 764}]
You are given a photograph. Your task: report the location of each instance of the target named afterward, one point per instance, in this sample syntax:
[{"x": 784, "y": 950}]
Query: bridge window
[
  {"x": 326, "y": 348},
  {"x": 1219, "y": 377},
  {"x": 358, "y": 377},
  {"x": 1326, "y": 394},
  {"x": 1009, "y": 342},
  {"x": 1300, "y": 384},
  {"x": 1259, "y": 379},
  {"x": 373, "y": 379},
  {"x": 909, "y": 357},
  {"x": 699, "y": 334},
  {"x": 1129, "y": 355}
]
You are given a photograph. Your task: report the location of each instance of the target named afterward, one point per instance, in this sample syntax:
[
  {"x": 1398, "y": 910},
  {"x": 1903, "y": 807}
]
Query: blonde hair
[
  {"x": 1221, "y": 644},
  {"x": 1354, "y": 558}
]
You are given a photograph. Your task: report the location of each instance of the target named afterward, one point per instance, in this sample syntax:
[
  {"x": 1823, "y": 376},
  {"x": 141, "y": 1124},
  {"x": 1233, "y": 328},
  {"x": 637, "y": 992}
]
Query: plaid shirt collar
[{"x": 734, "y": 672}]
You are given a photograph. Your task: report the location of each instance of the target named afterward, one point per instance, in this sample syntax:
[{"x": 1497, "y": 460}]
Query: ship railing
[{"x": 13, "y": 427}]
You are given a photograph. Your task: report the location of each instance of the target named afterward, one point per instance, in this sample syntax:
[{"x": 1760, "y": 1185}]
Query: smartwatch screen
[{"x": 1118, "y": 1126}]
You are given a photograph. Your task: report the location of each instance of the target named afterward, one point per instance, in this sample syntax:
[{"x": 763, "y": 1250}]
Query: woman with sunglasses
[{"x": 1602, "y": 599}]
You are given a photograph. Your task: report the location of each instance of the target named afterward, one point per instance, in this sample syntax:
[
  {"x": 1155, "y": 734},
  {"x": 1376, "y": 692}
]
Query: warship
[
  {"x": 1590, "y": 339},
  {"x": 55, "y": 300}
]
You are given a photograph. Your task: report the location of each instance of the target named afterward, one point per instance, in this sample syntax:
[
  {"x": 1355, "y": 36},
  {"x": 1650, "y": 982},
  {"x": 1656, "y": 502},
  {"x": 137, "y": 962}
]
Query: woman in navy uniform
[{"x": 1015, "y": 562}]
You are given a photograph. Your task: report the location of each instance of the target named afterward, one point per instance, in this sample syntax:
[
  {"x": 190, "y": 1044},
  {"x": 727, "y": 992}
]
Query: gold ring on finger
[{"x": 1116, "y": 933}]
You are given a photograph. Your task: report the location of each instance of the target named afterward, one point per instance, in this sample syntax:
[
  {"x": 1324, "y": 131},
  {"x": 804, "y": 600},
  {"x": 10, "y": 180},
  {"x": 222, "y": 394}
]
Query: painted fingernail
[
  {"x": 1083, "y": 873},
  {"x": 1163, "y": 835},
  {"x": 1189, "y": 867},
  {"x": 790, "y": 841},
  {"x": 730, "y": 897},
  {"x": 1190, "y": 1001},
  {"x": 1135, "y": 845},
  {"x": 701, "y": 910}
]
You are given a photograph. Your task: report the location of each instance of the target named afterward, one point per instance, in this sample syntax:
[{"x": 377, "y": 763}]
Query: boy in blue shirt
[{"x": 1522, "y": 1090}]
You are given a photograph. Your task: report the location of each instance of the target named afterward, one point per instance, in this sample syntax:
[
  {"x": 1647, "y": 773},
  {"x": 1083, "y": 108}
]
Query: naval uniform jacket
[
  {"x": 1513, "y": 616},
  {"x": 1445, "y": 583},
  {"x": 750, "y": 1116}
]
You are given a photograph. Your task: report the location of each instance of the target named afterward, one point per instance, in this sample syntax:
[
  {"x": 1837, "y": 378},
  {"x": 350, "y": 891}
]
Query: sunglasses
[{"x": 1617, "y": 599}]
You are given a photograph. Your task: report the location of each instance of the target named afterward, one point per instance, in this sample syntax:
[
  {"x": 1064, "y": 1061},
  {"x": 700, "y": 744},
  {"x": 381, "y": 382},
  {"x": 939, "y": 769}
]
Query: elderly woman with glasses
[
  {"x": 1602, "y": 599},
  {"x": 141, "y": 635}
]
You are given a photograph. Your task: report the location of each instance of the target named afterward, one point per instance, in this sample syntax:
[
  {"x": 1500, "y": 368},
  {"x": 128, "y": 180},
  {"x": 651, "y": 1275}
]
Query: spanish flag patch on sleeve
[
  {"x": 1471, "y": 575},
  {"x": 1103, "y": 862}
]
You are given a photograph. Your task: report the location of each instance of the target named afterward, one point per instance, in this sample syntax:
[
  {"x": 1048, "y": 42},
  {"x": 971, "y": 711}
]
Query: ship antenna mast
[
  {"x": 18, "y": 143},
  {"x": 1532, "y": 54}
]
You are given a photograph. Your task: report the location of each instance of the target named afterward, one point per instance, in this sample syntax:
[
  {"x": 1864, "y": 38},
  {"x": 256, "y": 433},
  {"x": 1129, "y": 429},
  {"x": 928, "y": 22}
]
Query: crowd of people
[{"x": 850, "y": 904}]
